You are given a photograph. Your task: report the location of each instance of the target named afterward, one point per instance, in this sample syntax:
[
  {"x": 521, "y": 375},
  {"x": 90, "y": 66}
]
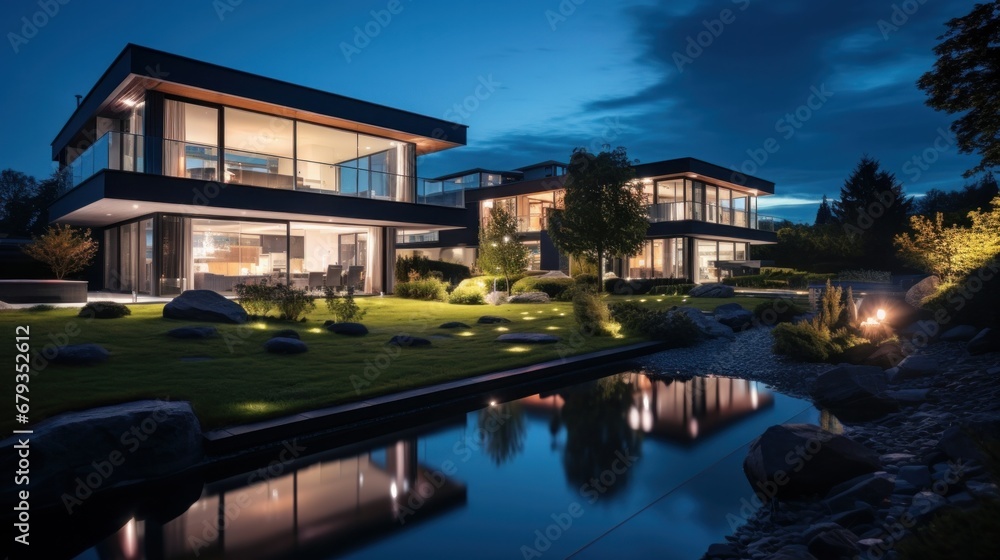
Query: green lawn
[{"x": 239, "y": 382}]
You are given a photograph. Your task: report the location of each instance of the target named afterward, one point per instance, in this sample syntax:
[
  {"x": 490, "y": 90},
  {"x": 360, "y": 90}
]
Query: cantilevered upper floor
[{"x": 211, "y": 127}]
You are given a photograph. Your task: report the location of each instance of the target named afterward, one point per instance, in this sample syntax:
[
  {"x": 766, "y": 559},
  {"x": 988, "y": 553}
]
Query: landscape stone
[
  {"x": 855, "y": 517},
  {"x": 530, "y": 297},
  {"x": 204, "y": 305},
  {"x": 987, "y": 340},
  {"x": 281, "y": 345},
  {"x": 734, "y": 316},
  {"x": 65, "y": 447},
  {"x": 349, "y": 329},
  {"x": 872, "y": 491},
  {"x": 917, "y": 475},
  {"x": 822, "y": 460},
  {"x": 915, "y": 295},
  {"x": 406, "y": 340},
  {"x": 528, "y": 338},
  {"x": 925, "y": 503},
  {"x": 916, "y": 366},
  {"x": 193, "y": 332},
  {"x": 712, "y": 290},
  {"x": 707, "y": 325},
  {"x": 853, "y": 392},
  {"x": 833, "y": 542},
  {"x": 80, "y": 355},
  {"x": 454, "y": 325},
  {"x": 960, "y": 333},
  {"x": 492, "y": 320},
  {"x": 286, "y": 333},
  {"x": 956, "y": 442}
]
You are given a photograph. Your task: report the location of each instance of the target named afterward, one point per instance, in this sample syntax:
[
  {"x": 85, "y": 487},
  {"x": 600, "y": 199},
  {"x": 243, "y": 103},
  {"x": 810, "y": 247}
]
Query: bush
[
  {"x": 41, "y": 307},
  {"x": 485, "y": 283},
  {"x": 257, "y": 298},
  {"x": 973, "y": 300},
  {"x": 777, "y": 278},
  {"x": 424, "y": 267},
  {"x": 470, "y": 295},
  {"x": 591, "y": 313},
  {"x": 551, "y": 286},
  {"x": 293, "y": 303},
  {"x": 676, "y": 329},
  {"x": 674, "y": 290},
  {"x": 586, "y": 279},
  {"x": 427, "y": 289},
  {"x": 639, "y": 286},
  {"x": 344, "y": 309},
  {"x": 805, "y": 341},
  {"x": 104, "y": 310},
  {"x": 774, "y": 311}
]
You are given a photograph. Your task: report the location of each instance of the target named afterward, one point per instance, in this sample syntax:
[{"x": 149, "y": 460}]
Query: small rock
[
  {"x": 988, "y": 340},
  {"x": 792, "y": 552},
  {"x": 917, "y": 475},
  {"x": 853, "y": 518},
  {"x": 193, "y": 332},
  {"x": 406, "y": 340},
  {"x": 80, "y": 355},
  {"x": 349, "y": 329},
  {"x": 492, "y": 320},
  {"x": 960, "y": 333},
  {"x": 454, "y": 325},
  {"x": 962, "y": 499},
  {"x": 281, "y": 345}
]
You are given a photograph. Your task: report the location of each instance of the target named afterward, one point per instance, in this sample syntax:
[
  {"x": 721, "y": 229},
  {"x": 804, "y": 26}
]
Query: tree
[
  {"x": 951, "y": 251},
  {"x": 603, "y": 211},
  {"x": 956, "y": 205},
  {"x": 824, "y": 215},
  {"x": 966, "y": 79},
  {"x": 873, "y": 207},
  {"x": 65, "y": 249},
  {"x": 17, "y": 211},
  {"x": 500, "y": 250},
  {"x": 46, "y": 193}
]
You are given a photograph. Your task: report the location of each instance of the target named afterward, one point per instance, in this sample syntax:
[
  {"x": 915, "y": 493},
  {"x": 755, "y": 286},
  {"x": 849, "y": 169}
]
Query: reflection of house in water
[
  {"x": 312, "y": 511},
  {"x": 679, "y": 410}
]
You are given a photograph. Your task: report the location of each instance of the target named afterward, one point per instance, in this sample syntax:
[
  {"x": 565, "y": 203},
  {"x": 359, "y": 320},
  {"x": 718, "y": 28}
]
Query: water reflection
[{"x": 332, "y": 503}]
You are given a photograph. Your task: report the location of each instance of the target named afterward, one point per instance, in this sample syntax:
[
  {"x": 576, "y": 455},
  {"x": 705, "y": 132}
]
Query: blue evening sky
[{"x": 534, "y": 78}]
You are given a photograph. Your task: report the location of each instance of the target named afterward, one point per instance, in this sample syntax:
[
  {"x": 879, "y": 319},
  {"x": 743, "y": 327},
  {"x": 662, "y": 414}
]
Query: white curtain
[{"x": 174, "y": 134}]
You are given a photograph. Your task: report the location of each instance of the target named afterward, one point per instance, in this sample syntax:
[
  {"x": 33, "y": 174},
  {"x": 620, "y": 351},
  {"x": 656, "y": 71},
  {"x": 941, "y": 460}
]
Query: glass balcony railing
[
  {"x": 423, "y": 237},
  {"x": 676, "y": 211},
  {"x": 122, "y": 151}
]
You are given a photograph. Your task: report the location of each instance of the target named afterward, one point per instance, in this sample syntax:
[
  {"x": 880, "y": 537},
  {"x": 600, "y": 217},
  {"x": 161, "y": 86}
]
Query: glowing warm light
[
  {"x": 529, "y": 318},
  {"x": 502, "y": 329},
  {"x": 880, "y": 314},
  {"x": 659, "y": 300},
  {"x": 260, "y": 326},
  {"x": 643, "y": 300},
  {"x": 256, "y": 407},
  {"x": 562, "y": 314},
  {"x": 493, "y": 403},
  {"x": 315, "y": 331},
  {"x": 552, "y": 328},
  {"x": 466, "y": 333},
  {"x": 693, "y": 427},
  {"x": 754, "y": 397},
  {"x": 524, "y": 313},
  {"x": 130, "y": 544},
  {"x": 518, "y": 349},
  {"x": 274, "y": 493},
  {"x": 393, "y": 491}
]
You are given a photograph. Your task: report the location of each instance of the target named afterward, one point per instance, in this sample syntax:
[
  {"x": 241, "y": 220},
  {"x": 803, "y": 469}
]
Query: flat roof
[
  {"x": 174, "y": 74},
  {"x": 694, "y": 168}
]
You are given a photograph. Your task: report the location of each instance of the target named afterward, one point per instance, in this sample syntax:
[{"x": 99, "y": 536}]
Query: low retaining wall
[{"x": 43, "y": 291}]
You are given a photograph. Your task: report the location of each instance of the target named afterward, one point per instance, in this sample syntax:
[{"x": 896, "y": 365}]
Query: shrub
[
  {"x": 774, "y": 311},
  {"x": 64, "y": 248},
  {"x": 805, "y": 341},
  {"x": 427, "y": 289},
  {"x": 257, "y": 298},
  {"x": 470, "y": 295},
  {"x": 104, "y": 310},
  {"x": 41, "y": 307},
  {"x": 452, "y": 272},
  {"x": 639, "y": 286},
  {"x": 591, "y": 313},
  {"x": 344, "y": 309},
  {"x": 676, "y": 329},
  {"x": 832, "y": 311},
  {"x": 973, "y": 300},
  {"x": 674, "y": 290},
  {"x": 551, "y": 286},
  {"x": 586, "y": 279},
  {"x": 293, "y": 303},
  {"x": 485, "y": 283}
]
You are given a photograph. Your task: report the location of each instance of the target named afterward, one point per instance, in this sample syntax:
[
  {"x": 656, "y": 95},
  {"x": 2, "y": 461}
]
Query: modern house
[
  {"x": 196, "y": 176},
  {"x": 703, "y": 219}
]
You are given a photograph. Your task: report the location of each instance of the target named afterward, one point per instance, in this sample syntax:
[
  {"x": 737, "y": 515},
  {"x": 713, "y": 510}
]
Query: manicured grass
[{"x": 231, "y": 380}]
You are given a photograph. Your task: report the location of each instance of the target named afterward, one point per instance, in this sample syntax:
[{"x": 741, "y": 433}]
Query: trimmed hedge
[
  {"x": 450, "y": 272},
  {"x": 427, "y": 289},
  {"x": 639, "y": 286},
  {"x": 676, "y": 329},
  {"x": 554, "y": 287},
  {"x": 777, "y": 278},
  {"x": 469, "y": 295}
]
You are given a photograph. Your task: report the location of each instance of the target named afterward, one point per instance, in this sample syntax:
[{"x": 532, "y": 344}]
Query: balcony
[
  {"x": 677, "y": 211},
  {"x": 125, "y": 152},
  {"x": 421, "y": 237}
]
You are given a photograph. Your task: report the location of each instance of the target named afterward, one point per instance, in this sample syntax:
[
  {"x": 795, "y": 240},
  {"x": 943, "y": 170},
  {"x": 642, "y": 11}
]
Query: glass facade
[{"x": 659, "y": 258}]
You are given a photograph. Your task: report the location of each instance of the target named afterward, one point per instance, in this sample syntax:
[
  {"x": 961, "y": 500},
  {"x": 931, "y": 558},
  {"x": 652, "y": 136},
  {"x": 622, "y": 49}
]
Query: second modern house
[
  {"x": 703, "y": 220},
  {"x": 197, "y": 176}
]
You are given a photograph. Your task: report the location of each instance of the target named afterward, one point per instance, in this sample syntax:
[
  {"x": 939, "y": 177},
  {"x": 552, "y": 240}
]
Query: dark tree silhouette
[
  {"x": 873, "y": 207},
  {"x": 966, "y": 80},
  {"x": 824, "y": 215},
  {"x": 503, "y": 431}
]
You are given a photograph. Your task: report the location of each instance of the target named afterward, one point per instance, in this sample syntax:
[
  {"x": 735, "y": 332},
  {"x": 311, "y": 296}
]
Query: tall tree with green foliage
[
  {"x": 603, "y": 212},
  {"x": 500, "y": 249},
  {"x": 951, "y": 251},
  {"x": 824, "y": 215},
  {"x": 873, "y": 207},
  {"x": 966, "y": 80},
  {"x": 64, "y": 248}
]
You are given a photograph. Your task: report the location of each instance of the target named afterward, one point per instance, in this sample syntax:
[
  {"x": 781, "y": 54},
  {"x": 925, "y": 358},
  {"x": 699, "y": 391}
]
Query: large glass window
[
  {"x": 225, "y": 253},
  {"x": 706, "y": 257},
  {"x": 191, "y": 140},
  {"x": 259, "y": 149},
  {"x": 319, "y": 150}
]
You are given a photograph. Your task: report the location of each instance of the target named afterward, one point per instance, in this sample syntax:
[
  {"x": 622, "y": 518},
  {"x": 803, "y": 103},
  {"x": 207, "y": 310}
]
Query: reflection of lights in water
[
  {"x": 645, "y": 402},
  {"x": 392, "y": 490},
  {"x": 647, "y": 421},
  {"x": 130, "y": 546},
  {"x": 693, "y": 427},
  {"x": 361, "y": 479},
  {"x": 633, "y": 418},
  {"x": 754, "y": 399},
  {"x": 274, "y": 494}
]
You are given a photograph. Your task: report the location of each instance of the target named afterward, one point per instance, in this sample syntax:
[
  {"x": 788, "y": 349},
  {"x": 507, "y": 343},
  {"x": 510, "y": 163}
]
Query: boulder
[
  {"x": 454, "y": 325},
  {"x": 987, "y": 340},
  {"x": 193, "y": 332},
  {"x": 960, "y": 441},
  {"x": 204, "y": 305},
  {"x": 853, "y": 392},
  {"x": 960, "y": 333},
  {"x": 864, "y": 515},
  {"x": 712, "y": 291},
  {"x": 107, "y": 447},
  {"x": 798, "y": 460},
  {"x": 872, "y": 489},
  {"x": 286, "y": 333},
  {"x": 914, "y": 367},
  {"x": 915, "y": 295},
  {"x": 407, "y": 340},
  {"x": 528, "y": 338},
  {"x": 349, "y": 329},
  {"x": 4, "y": 306},
  {"x": 80, "y": 355},
  {"x": 283, "y": 345},
  {"x": 791, "y": 552},
  {"x": 833, "y": 542},
  {"x": 707, "y": 325},
  {"x": 925, "y": 503},
  {"x": 530, "y": 297},
  {"x": 885, "y": 356},
  {"x": 734, "y": 316},
  {"x": 491, "y": 320},
  {"x": 916, "y": 475}
]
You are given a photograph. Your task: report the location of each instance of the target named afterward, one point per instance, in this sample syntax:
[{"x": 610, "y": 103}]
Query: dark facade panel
[{"x": 696, "y": 228}]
